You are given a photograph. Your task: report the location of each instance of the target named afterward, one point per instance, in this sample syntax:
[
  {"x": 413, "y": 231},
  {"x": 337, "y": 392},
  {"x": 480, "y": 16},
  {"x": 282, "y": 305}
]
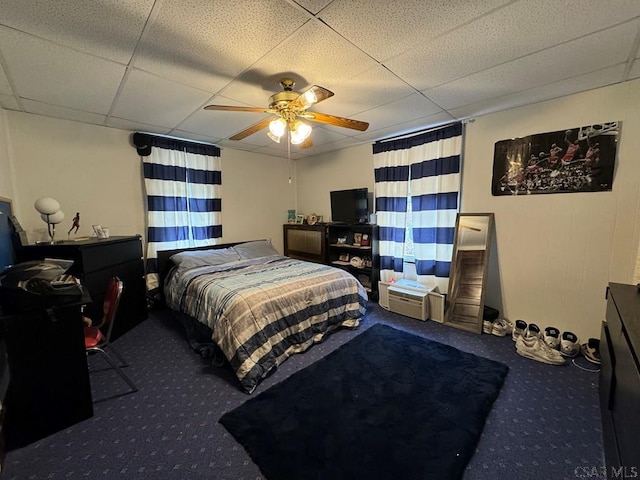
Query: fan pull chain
[{"x": 289, "y": 152}]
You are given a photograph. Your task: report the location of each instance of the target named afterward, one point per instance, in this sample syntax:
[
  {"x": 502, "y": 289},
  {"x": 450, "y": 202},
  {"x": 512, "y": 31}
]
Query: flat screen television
[{"x": 349, "y": 206}]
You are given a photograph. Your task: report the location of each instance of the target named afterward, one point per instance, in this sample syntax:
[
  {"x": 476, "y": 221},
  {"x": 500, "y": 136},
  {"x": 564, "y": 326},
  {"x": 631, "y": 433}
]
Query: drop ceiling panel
[
  {"x": 49, "y": 73},
  {"x": 634, "y": 72},
  {"x": 220, "y": 124},
  {"x": 383, "y": 28},
  {"x": 331, "y": 62},
  {"x": 199, "y": 138},
  {"x": 5, "y": 87},
  {"x": 106, "y": 28},
  {"x": 604, "y": 49},
  {"x": 500, "y": 37},
  {"x": 406, "y": 109},
  {"x": 47, "y": 110},
  {"x": 374, "y": 86},
  {"x": 418, "y": 124},
  {"x": 9, "y": 102},
  {"x": 132, "y": 126},
  {"x": 152, "y": 65},
  {"x": 313, "y": 6},
  {"x": 156, "y": 101},
  {"x": 209, "y": 43},
  {"x": 606, "y": 76}
]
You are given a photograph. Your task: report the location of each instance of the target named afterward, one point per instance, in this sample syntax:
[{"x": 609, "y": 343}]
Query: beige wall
[
  {"x": 554, "y": 254},
  {"x": 96, "y": 171},
  {"x": 6, "y": 188},
  {"x": 339, "y": 170}
]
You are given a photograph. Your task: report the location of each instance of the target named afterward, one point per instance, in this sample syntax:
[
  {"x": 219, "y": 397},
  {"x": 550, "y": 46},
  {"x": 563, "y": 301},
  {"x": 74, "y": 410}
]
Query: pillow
[
  {"x": 258, "y": 248},
  {"x": 199, "y": 258}
]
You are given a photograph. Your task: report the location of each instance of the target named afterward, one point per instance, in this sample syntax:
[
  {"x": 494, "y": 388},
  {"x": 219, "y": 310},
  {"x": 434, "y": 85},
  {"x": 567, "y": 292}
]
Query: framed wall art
[{"x": 578, "y": 159}]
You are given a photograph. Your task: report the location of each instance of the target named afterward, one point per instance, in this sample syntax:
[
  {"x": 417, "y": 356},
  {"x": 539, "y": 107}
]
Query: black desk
[
  {"x": 49, "y": 387},
  {"x": 94, "y": 263}
]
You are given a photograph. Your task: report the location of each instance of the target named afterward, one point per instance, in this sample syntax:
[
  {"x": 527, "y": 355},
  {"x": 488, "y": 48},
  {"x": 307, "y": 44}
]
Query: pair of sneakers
[
  {"x": 530, "y": 344},
  {"x": 499, "y": 327},
  {"x": 566, "y": 343}
]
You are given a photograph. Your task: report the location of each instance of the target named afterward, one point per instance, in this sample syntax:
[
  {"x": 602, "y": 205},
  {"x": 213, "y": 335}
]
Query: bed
[{"x": 257, "y": 306}]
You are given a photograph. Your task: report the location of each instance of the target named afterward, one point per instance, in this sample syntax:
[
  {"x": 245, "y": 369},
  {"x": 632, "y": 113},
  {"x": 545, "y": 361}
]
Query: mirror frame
[{"x": 472, "y": 320}]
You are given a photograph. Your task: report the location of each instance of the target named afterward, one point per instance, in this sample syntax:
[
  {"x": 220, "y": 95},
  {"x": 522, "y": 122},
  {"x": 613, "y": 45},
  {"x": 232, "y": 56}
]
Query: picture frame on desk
[
  {"x": 364, "y": 241},
  {"x": 357, "y": 239},
  {"x": 99, "y": 231}
]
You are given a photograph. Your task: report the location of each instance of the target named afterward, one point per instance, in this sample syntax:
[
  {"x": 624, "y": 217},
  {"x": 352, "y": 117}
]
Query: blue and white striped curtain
[
  {"x": 183, "y": 202},
  {"x": 431, "y": 163}
]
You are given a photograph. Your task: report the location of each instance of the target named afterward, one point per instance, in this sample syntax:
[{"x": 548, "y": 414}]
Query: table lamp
[{"x": 50, "y": 213}]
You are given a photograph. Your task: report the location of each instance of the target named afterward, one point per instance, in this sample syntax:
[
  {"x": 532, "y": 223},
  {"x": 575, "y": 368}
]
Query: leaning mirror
[{"x": 469, "y": 265}]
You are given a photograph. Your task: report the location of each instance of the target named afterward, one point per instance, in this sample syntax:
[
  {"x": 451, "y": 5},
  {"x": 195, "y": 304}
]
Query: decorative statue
[{"x": 76, "y": 224}]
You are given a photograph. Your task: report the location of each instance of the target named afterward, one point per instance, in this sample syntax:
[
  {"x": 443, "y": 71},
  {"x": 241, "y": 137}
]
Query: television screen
[{"x": 349, "y": 206}]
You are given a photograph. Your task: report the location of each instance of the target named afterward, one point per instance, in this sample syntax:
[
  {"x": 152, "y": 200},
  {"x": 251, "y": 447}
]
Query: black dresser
[
  {"x": 620, "y": 381},
  {"x": 95, "y": 262}
]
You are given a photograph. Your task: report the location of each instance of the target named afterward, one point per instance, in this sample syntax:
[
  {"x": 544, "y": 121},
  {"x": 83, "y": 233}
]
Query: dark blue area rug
[{"x": 385, "y": 405}]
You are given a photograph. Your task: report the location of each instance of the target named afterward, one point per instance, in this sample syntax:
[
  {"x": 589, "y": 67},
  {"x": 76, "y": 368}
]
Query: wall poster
[{"x": 579, "y": 159}]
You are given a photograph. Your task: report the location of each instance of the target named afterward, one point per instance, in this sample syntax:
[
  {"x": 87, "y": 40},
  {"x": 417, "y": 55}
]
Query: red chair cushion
[{"x": 92, "y": 336}]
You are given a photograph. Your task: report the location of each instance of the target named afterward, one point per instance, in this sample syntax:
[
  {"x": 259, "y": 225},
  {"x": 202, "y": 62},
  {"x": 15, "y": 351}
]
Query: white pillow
[
  {"x": 258, "y": 248},
  {"x": 199, "y": 258}
]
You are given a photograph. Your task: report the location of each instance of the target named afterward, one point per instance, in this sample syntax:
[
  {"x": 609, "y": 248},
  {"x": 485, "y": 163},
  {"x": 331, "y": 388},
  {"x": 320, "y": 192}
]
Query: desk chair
[{"x": 97, "y": 337}]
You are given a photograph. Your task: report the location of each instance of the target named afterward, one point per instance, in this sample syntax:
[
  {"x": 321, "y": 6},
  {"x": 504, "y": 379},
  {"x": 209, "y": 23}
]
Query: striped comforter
[{"x": 263, "y": 310}]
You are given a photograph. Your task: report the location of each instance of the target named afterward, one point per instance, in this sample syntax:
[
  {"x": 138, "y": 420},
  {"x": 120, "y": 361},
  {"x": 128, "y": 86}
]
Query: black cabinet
[
  {"x": 354, "y": 247},
  {"x": 620, "y": 379},
  {"x": 48, "y": 388},
  {"x": 306, "y": 242},
  {"x": 95, "y": 262}
]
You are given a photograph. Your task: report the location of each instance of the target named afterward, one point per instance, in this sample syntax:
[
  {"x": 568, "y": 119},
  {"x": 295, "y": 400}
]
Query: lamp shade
[
  {"x": 277, "y": 127},
  {"x": 300, "y": 132},
  {"x": 47, "y": 206},
  {"x": 56, "y": 218}
]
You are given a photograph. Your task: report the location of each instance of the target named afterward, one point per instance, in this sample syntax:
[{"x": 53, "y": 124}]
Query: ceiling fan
[{"x": 289, "y": 107}]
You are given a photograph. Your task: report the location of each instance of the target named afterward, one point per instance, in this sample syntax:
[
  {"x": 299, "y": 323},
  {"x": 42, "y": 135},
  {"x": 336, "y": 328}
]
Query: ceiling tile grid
[
  {"x": 44, "y": 71},
  {"x": 105, "y": 28},
  {"x": 152, "y": 65}
]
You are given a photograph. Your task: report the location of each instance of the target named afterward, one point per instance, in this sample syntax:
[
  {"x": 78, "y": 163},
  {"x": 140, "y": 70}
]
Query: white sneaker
[
  {"x": 569, "y": 346},
  {"x": 518, "y": 329},
  {"x": 533, "y": 347},
  {"x": 501, "y": 327},
  {"x": 532, "y": 330},
  {"x": 487, "y": 326},
  {"x": 552, "y": 337}
]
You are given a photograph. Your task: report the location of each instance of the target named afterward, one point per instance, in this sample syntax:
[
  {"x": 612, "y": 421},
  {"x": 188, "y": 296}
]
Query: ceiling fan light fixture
[
  {"x": 273, "y": 137},
  {"x": 300, "y": 132},
  {"x": 310, "y": 97},
  {"x": 277, "y": 127}
]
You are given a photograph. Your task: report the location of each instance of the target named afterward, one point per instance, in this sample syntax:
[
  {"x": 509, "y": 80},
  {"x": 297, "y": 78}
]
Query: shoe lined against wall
[
  {"x": 533, "y": 347},
  {"x": 518, "y": 329},
  {"x": 591, "y": 350},
  {"x": 552, "y": 337},
  {"x": 569, "y": 346}
]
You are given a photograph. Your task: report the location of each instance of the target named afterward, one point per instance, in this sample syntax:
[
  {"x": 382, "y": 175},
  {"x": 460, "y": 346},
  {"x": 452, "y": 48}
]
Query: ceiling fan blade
[
  {"x": 237, "y": 109},
  {"x": 252, "y": 129},
  {"x": 311, "y": 96},
  {"x": 306, "y": 143},
  {"x": 336, "y": 121}
]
